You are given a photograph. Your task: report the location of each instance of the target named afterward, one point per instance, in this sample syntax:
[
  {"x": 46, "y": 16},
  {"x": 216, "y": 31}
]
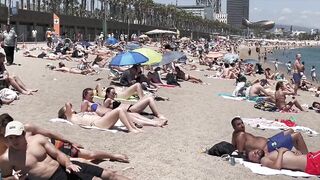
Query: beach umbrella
[
  {"x": 214, "y": 55},
  {"x": 153, "y": 56},
  {"x": 132, "y": 46},
  {"x": 159, "y": 31},
  {"x": 143, "y": 36},
  {"x": 128, "y": 58},
  {"x": 230, "y": 58},
  {"x": 170, "y": 56},
  {"x": 111, "y": 40}
]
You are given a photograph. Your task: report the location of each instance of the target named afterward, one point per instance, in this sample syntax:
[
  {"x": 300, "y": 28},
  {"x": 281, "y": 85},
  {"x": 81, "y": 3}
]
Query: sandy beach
[{"x": 198, "y": 118}]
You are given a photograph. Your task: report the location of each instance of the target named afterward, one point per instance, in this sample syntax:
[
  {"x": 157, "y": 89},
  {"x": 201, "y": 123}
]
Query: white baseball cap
[{"x": 14, "y": 128}]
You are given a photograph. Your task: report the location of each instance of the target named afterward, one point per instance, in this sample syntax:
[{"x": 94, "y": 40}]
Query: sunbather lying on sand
[
  {"x": 88, "y": 105},
  {"x": 186, "y": 77},
  {"x": 73, "y": 70},
  {"x": 135, "y": 89},
  {"x": 92, "y": 119},
  {"x": 76, "y": 150},
  {"x": 13, "y": 80},
  {"x": 280, "y": 98},
  {"x": 245, "y": 142},
  {"x": 138, "y": 107},
  {"x": 283, "y": 158}
]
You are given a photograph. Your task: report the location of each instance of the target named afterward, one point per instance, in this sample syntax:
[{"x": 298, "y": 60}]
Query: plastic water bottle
[{"x": 232, "y": 161}]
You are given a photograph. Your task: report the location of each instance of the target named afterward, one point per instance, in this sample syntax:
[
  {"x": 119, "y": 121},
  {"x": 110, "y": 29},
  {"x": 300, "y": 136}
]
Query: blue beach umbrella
[
  {"x": 128, "y": 58},
  {"x": 111, "y": 40},
  {"x": 170, "y": 56},
  {"x": 132, "y": 46},
  {"x": 230, "y": 58}
]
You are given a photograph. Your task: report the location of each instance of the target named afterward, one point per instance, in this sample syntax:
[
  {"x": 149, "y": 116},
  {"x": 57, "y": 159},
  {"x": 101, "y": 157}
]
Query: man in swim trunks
[
  {"x": 245, "y": 142},
  {"x": 36, "y": 158},
  {"x": 68, "y": 147},
  {"x": 297, "y": 70},
  {"x": 283, "y": 158}
]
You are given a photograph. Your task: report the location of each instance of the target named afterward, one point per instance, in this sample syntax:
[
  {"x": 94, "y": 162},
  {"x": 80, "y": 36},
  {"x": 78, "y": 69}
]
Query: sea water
[{"x": 310, "y": 56}]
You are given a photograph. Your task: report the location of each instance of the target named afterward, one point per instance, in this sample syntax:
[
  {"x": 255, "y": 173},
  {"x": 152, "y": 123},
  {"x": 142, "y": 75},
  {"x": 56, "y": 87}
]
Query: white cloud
[{"x": 286, "y": 11}]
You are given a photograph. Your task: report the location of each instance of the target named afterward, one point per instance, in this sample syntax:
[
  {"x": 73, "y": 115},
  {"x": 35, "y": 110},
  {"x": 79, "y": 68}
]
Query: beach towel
[
  {"x": 262, "y": 123},
  {"x": 236, "y": 98},
  {"x": 118, "y": 126},
  {"x": 259, "y": 169},
  {"x": 229, "y": 96}
]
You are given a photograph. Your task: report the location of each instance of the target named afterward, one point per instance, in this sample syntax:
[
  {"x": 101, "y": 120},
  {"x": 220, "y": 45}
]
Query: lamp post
[
  {"x": 8, "y": 20},
  {"x": 105, "y": 26}
]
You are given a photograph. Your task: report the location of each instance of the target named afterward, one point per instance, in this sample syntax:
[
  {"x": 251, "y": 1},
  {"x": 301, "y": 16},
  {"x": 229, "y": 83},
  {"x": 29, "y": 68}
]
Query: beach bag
[
  {"x": 8, "y": 94},
  {"x": 265, "y": 106},
  {"x": 221, "y": 148},
  {"x": 172, "y": 79}
]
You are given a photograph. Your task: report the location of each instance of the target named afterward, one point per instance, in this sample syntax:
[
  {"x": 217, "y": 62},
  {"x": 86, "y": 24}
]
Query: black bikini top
[{"x": 115, "y": 104}]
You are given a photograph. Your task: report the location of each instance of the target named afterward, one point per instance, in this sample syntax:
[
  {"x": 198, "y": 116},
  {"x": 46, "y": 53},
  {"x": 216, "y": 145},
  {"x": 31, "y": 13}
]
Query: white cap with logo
[{"x": 14, "y": 128}]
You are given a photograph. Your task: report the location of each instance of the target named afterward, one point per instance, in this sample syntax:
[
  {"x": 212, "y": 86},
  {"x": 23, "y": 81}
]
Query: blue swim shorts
[{"x": 280, "y": 140}]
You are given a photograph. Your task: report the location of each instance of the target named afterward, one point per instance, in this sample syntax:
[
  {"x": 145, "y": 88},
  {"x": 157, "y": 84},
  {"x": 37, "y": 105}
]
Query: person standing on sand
[
  {"x": 298, "y": 68},
  {"x": 9, "y": 43}
]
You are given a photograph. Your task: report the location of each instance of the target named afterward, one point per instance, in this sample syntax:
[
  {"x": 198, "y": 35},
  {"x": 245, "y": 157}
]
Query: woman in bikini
[
  {"x": 138, "y": 107},
  {"x": 92, "y": 119},
  {"x": 186, "y": 77},
  {"x": 88, "y": 105}
]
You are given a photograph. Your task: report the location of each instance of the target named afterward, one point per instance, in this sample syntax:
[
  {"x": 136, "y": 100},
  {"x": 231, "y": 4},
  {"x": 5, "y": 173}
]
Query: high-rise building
[
  {"x": 214, "y": 4},
  {"x": 237, "y": 10}
]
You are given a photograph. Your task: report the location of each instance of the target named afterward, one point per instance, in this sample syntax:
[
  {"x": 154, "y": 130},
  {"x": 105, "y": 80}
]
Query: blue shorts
[
  {"x": 280, "y": 140},
  {"x": 296, "y": 78}
]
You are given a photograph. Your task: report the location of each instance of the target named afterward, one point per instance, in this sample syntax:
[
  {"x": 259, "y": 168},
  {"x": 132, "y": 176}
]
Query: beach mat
[
  {"x": 259, "y": 169},
  {"x": 262, "y": 123},
  {"x": 116, "y": 128}
]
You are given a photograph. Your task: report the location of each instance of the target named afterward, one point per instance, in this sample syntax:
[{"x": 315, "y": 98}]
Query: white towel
[
  {"x": 263, "y": 123},
  {"x": 117, "y": 126},
  {"x": 259, "y": 169}
]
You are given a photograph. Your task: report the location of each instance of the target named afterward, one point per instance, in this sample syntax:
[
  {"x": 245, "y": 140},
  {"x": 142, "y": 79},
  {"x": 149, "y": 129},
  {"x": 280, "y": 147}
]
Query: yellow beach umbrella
[{"x": 153, "y": 56}]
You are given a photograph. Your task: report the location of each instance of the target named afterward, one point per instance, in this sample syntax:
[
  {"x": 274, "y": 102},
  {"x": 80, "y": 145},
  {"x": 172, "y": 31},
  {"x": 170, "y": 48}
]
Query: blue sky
[{"x": 290, "y": 12}]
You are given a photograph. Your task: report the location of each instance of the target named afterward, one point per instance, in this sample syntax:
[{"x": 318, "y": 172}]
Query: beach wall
[{"x": 26, "y": 21}]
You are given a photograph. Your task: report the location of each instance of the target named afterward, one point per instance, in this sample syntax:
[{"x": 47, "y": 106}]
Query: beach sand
[{"x": 198, "y": 118}]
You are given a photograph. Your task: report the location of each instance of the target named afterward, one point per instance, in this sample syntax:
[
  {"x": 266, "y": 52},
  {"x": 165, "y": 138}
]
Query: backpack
[
  {"x": 172, "y": 79},
  {"x": 221, "y": 148}
]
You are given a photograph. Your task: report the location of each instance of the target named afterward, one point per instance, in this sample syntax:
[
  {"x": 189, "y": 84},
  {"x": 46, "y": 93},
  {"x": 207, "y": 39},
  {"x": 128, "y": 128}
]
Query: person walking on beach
[
  {"x": 314, "y": 74},
  {"x": 9, "y": 43},
  {"x": 249, "y": 52},
  {"x": 289, "y": 68},
  {"x": 298, "y": 68}
]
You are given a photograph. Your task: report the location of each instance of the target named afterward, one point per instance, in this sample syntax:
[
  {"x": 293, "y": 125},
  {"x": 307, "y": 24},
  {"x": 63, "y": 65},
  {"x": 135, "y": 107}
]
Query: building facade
[
  {"x": 214, "y": 4},
  {"x": 221, "y": 17},
  {"x": 237, "y": 10},
  {"x": 200, "y": 11}
]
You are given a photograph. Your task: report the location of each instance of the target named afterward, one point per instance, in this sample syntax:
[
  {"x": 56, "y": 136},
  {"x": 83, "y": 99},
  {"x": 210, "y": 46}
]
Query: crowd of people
[{"x": 36, "y": 153}]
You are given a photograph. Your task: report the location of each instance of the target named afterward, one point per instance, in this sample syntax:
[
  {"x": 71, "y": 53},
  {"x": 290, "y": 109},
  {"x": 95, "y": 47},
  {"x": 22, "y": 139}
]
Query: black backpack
[{"x": 221, "y": 148}]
